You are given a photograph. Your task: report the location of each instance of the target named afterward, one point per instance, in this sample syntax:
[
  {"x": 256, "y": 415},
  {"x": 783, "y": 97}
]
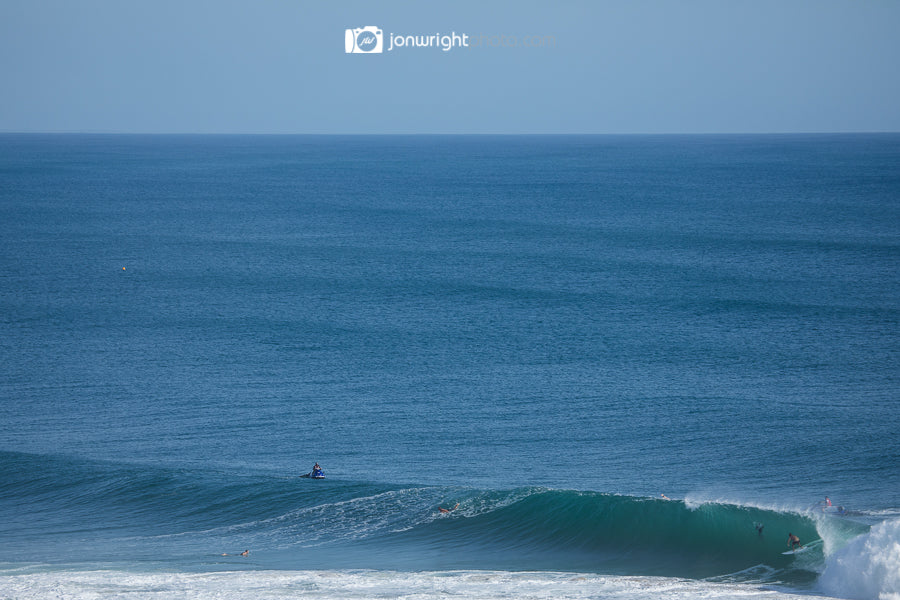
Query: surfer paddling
[
  {"x": 244, "y": 553},
  {"x": 446, "y": 510}
]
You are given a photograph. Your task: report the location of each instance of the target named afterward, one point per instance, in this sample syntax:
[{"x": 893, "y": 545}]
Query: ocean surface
[{"x": 633, "y": 364}]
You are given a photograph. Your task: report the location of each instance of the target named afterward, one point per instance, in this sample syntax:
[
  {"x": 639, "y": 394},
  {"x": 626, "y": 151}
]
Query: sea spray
[{"x": 867, "y": 568}]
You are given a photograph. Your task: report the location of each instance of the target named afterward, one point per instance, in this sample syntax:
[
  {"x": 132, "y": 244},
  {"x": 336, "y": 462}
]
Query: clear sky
[{"x": 576, "y": 66}]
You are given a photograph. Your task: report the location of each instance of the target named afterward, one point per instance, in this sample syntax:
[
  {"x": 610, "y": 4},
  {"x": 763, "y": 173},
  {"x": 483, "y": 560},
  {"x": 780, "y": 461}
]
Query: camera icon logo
[{"x": 363, "y": 40}]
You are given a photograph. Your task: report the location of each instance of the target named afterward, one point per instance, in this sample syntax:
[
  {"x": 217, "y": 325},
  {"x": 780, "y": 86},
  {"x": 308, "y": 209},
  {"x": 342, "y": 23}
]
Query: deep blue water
[{"x": 550, "y": 330}]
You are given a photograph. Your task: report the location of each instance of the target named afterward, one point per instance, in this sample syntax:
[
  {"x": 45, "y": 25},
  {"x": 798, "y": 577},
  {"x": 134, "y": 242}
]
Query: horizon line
[{"x": 438, "y": 133}]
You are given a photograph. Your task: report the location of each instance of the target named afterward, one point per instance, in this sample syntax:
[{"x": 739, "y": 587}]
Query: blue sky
[{"x": 279, "y": 66}]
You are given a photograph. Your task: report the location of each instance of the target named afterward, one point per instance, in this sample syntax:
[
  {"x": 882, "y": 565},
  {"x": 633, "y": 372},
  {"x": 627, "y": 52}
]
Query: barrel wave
[{"x": 136, "y": 512}]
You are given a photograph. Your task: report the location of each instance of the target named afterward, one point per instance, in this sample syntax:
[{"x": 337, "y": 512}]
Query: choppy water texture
[{"x": 552, "y": 332}]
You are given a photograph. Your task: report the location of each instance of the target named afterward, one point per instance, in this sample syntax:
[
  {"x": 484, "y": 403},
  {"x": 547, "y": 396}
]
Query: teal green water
[{"x": 551, "y": 331}]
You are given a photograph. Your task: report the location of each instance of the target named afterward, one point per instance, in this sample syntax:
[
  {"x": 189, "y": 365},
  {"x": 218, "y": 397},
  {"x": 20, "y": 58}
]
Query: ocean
[{"x": 629, "y": 366}]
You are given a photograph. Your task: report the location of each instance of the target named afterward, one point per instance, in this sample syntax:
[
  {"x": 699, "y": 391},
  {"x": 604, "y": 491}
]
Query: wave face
[{"x": 79, "y": 511}]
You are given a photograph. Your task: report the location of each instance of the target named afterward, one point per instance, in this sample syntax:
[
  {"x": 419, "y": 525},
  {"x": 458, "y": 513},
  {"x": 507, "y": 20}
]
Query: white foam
[
  {"x": 364, "y": 585},
  {"x": 695, "y": 500},
  {"x": 867, "y": 568}
]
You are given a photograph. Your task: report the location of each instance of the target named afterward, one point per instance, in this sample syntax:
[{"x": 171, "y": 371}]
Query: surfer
[
  {"x": 793, "y": 541},
  {"x": 446, "y": 510},
  {"x": 664, "y": 497},
  {"x": 244, "y": 553},
  {"x": 759, "y": 528}
]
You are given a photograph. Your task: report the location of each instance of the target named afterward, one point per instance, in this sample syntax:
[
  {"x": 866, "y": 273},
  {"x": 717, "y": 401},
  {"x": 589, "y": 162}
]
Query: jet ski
[{"x": 316, "y": 473}]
